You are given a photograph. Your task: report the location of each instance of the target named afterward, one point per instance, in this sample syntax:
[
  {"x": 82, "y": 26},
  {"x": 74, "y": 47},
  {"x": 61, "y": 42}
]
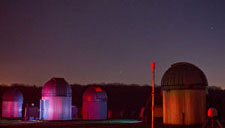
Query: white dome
[
  {"x": 184, "y": 75},
  {"x": 57, "y": 87}
]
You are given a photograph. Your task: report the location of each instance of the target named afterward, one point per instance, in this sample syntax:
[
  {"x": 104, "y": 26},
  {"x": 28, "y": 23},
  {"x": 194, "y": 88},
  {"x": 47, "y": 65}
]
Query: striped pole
[{"x": 153, "y": 84}]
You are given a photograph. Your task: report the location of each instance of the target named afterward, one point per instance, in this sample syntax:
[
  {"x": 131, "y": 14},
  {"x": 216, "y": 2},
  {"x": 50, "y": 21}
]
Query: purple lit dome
[
  {"x": 57, "y": 87},
  {"x": 13, "y": 94},
  {"x": 94, "y": 94},
  {"x": 184, "y": 75}
]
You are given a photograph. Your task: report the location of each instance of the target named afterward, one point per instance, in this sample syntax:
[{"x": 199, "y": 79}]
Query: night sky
[{"x": 109, "y": 41}]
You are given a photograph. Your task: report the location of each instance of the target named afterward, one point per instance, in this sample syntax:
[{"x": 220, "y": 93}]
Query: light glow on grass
[{"x": 76, "y": 122}]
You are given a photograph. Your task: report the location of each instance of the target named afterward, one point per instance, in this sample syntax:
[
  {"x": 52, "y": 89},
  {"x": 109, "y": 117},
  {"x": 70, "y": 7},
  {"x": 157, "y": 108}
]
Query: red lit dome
[
  {"x": 183, "y": 75},
  {"x": 56, "y": 87},
  {"x": 13, "y": 94},
  {"x": 94, "y": 94}
]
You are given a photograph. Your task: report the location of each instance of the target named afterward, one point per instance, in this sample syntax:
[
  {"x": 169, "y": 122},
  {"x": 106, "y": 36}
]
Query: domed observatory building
[
  {"x": 184, "y": 95},
  {"x": 12, "y": 104},
  {"x": 94, "y": 105},
  {"x": 56, "y": 101}
]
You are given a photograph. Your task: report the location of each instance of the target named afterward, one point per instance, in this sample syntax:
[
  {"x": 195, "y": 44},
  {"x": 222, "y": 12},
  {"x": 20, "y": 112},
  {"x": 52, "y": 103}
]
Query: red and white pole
[{"x": 153, "y": 91}]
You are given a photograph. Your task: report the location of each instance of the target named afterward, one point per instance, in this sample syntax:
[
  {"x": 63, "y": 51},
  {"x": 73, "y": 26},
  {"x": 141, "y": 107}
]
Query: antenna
[{"x": 153, "y": 84}]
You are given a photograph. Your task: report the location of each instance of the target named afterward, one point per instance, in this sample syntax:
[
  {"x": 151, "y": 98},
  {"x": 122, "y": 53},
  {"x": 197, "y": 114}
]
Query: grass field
[
  {"x": 72, "y": 124},
  {"x": 87, "y": 124}
]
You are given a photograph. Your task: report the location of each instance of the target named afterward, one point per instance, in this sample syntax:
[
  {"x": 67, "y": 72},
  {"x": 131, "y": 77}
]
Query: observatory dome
[
  {"x": 183, "y": 75},
  {"x": 94, "y": 94},
  {"x": 56, "y": 87},
  {"x": 13, "y": 94}
]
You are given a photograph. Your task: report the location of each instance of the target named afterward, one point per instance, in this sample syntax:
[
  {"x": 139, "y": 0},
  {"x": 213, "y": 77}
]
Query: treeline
[{"x": 122, "y": 99}]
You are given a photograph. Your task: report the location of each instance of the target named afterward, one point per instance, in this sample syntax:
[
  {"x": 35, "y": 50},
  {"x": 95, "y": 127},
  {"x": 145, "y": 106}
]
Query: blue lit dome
[
  {"x": 57, "y": 87},
  {"x": 13, "y": 94}
]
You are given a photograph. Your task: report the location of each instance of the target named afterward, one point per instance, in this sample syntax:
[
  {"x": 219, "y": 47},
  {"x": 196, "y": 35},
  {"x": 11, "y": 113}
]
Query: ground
[{"x": 86, "y": 124}]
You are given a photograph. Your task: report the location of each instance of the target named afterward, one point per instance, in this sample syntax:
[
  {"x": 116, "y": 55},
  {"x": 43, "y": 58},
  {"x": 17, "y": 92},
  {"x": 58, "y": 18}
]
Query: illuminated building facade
[
  {"x": 12, "y": 104},
  {"x": 56, "y": 101},
  {"x": 94, "y": 105},
  {"x": 184, "y": 95}
]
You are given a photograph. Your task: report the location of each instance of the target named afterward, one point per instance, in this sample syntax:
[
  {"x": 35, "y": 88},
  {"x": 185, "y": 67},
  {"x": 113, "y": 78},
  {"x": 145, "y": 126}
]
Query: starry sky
[{"x": 109, "y": 41}]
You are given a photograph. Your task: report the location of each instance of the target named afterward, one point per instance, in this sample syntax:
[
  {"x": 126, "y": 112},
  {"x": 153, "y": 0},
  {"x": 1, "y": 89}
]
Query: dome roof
[
  {"x": 183, "y": 75},
  {"x": 94, "y": 94},
  {"x": 56, "y": 87},
  {"x": 13, "y": 94}
]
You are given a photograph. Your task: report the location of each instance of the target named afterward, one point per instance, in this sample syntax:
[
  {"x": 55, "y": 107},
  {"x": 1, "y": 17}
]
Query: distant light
[
  {"x": 89, "y": 98},
  {"x": 98, "y": 89}
]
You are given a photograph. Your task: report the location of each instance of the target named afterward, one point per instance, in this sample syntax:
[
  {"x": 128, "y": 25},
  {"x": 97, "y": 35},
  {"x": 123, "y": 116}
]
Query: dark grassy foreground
[
  {"x": 87, "y": 124},
  {"x": 73, "y": 124}
]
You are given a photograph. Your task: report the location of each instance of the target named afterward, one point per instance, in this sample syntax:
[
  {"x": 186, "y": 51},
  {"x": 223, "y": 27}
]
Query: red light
[
  {"x": 98, "y": 90},
  {"x": 212, "y": 112},
  {"x": 89, "y": 98},
  {"x": 153, "y": 65}
]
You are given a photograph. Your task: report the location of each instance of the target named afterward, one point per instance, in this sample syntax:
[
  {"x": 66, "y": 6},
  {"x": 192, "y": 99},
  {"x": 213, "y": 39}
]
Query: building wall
[
  {"x": 56, "y": 108},
  {"x": 186, "y": 107},
  {"x": 158, "y": 111},
  {"x": 31, "y": 113},
  {"x": 12, "y": 109},
  {"x": 94, "y": 110}
]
